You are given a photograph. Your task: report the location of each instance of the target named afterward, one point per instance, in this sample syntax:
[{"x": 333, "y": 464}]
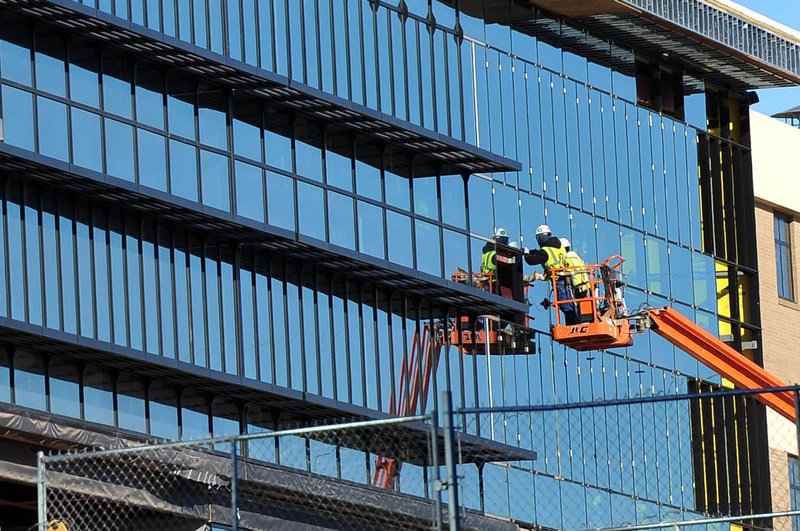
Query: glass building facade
[{"x": 609, "y": 159}]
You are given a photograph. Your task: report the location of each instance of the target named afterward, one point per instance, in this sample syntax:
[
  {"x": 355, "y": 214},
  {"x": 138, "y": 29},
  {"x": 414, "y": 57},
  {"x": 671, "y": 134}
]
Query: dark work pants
[{"x": 564, "y": 292}]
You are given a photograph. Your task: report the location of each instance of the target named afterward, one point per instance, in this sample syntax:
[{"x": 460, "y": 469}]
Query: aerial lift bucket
[{"x": 601, "y": 313}]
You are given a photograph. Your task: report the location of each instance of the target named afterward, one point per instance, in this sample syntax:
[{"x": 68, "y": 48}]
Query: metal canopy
[
  {"x": 705, "y": 37},
  {"x": 794, "y": 112},
  {"x": 287, "y": 244},
  {"x": 434, "y": 153},
  {"x": 293, "y": 408}
]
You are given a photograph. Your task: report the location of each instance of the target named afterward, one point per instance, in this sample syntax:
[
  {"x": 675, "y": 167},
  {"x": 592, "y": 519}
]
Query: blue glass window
[
  {"x": 98, "y": 387},
  {"x": 180, "y": 108},
  {"x": 119, "y": 150},
  {"x": 15, "y": 55},
  {"x": 130, "y": 404},
  {"x": 215, "y": 178},
  {"x": 84, "y": 81},
  {"x": 183, "y": 169},
  {"x": 213, "y": 127},
  {"x": 340, "y": 220},
  {"x": 117, "y": 97},
  {"x": 280, "y": 201},
  {"x": 65, "y": 396},
  {"x": 247, "y": 135},
  {"x": 399, "y": 236},
  {"x": 29, "y": 388},
  {"x": 278, "y": 149},
  {"x": 17, "y": 118},
  {"x": 249, "y": 191},
  {"x": 150, "y": 97},
  {"x": 312, "y": 213},
  {"x": 50, "y": 66},
  {"x": 86, "y": 140},
  {"x": 163, "y": 411},
  {"x": 52, "y": 127},
  {"x": 152, "y": 160},
  {"x": 370, "y": 229}
]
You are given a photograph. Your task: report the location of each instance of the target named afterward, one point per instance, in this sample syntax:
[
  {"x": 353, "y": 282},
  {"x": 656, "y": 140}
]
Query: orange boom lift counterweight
[{"x": 605, "y": 322}]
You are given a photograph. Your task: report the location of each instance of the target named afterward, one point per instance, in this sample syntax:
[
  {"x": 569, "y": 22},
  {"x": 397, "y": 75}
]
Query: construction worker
[
  {"x": 550, "y": 255},
  {"x": 579, "y": 275},
  {"x": 489, "y": 256}
]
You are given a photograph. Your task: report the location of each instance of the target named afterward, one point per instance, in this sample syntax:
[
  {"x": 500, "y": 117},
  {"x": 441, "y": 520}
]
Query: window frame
[{"x": 785, "y": 286}]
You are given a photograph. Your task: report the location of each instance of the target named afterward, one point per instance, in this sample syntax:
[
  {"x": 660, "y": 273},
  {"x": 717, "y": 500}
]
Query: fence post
[
  {"x": 234, "y": 486},
  {"x": 438, "y": 484},
  {"x": 41, "y": 493},
  {"x": 797, "y": 415},
  {"x": 450, "y": 461}
]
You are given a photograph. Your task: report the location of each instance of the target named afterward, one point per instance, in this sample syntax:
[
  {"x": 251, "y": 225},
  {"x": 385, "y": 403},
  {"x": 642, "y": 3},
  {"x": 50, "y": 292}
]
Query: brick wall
[{"x": 780, "y": 321}]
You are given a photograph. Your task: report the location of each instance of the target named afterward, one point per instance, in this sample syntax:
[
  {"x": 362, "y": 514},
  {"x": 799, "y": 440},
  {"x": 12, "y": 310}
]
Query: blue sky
[{"x": 786, "y": 12}]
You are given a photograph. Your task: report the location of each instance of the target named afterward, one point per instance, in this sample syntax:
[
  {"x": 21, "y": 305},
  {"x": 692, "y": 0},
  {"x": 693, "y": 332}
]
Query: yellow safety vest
[
  {"x": 580, "y": 275},
  {"x": 555, "y": 258},
  {"x": 487, "y": 262}
]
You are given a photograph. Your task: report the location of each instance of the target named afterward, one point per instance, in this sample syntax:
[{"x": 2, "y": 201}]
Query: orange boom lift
[{"x": 605, "y": 322}]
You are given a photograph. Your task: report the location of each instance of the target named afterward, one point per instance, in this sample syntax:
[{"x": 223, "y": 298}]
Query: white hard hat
[
  {"x": 515, "y": 245},
  {"x": 501, "y": 233},
  {"x": 565, "y": 243},
  {"x": 541, "y": 229}
]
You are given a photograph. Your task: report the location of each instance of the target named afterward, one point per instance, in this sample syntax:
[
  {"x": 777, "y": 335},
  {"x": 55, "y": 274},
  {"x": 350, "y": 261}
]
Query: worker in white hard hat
[
  {"x": 550, "y": 255},
  {"x": 579, "y": 275},
  {"x": 489, "y": 256}
]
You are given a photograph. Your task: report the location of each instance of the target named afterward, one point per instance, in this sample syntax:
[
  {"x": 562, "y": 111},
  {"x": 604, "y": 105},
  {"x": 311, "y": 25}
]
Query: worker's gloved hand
[{"x": 525, "y": 250}]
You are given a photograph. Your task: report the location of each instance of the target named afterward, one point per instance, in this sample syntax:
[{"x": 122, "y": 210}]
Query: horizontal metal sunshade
[{"x": 434, "y": 152}]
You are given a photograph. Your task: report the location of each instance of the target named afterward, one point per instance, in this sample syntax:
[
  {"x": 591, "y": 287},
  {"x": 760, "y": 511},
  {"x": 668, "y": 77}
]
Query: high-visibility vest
[
  {"x": 580, "y": 275},
  {"x": 488, "y": 264},
  {"x": 555, "y": 258}
]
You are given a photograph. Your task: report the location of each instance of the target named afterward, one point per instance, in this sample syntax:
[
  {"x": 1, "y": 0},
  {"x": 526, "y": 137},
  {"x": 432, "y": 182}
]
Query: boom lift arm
[
  {"x": 718, "y": 356},
  {"x": 605, "y": 322}
]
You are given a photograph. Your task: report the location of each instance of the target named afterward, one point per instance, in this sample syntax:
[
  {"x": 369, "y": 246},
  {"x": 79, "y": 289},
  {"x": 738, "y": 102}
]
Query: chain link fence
[
  {"x": 706, "y": 459},
  {"x": 343, "y": 476},
  {"x": 709, "y": 458}
]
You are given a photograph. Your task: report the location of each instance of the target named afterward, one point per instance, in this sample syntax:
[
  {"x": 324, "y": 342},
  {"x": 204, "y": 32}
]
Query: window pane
[
  {"x": 117, "y": 75},
  {"x": 340, "y": 220},
  {"x": 152, "y": 160},
  {"x": 280, "y": 201},
  {"x": 213, "y": 130},
  {"x": 370, "y": 229},
  {"x": 83, "y": 79},
  {"x": 98, "y": 396},
  {"x": 50, "y": 75},
  {"x": 29, "y": 380},
  {"x": 150, "y": 97},
  {"x": 119, "y": 149},
  {"x": 249, "y": 191},
  {"x": 312, "y": 213},
  {"x": 52, "y": 125},
  {"x": 163, "y": 411},
  {"x": 86, "y": 143},
  {"x": 247, "y": 132},
  {"x": 64, "y": 391},
  {"x": 399, "y": 234},
  {"x": 183, "y": 169},
  {"x": 130, "y": 404},
  {"x": 214, "y": 170},
  {"x": 180, "y": 107},
  {"x": 17, "y": 118},
  {"x": 15, "y": 55}
]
